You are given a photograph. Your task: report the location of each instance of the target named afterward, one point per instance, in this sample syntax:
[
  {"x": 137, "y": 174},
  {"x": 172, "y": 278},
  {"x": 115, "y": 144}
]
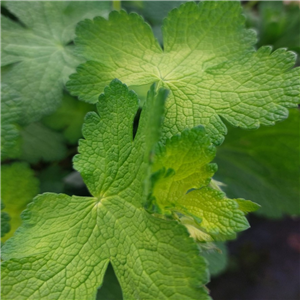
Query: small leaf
[
  {"x": 38, "y": 51},
  {"x": 186, "y": 192},
  {"x": 5, "y": 218},
  {"x": 247, "y": 206}
]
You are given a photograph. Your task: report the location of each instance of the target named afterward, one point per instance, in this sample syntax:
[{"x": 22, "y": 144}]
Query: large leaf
[
  {"x": 264, "y": 166},
  {"x": 66, "y": 243},
  {"x": 207, "y": 62},
  {"x": 39, "y": 49}
]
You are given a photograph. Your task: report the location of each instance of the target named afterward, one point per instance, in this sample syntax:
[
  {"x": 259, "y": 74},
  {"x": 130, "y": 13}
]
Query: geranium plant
[{"x": 154, "y": 212}]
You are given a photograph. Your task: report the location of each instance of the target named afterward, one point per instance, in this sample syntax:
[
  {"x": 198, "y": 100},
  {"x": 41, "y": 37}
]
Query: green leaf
[
  {"x": 264, "y": 166},
  {"x": 10, "y": 112},
  {"x": 135, "y": 6},
  {"x": 5, "y": 218},
  {"x": 156, "y": 11},
  {"x": 217, "y": 258},
  {"x": 39, "y": 50},
  {"x": 278, "y": 24},
  {"x": 66, "y": 243},
  {"x": 153, "y": 11},
  {"x": 18, "y": 187},
  {"x": 41, "y": 143},
  {"x": 181, "y": 186},
  {"x": 69, "y": 117},
  {"x": 247, "y": 206},
  {"x": 51, "y": 179},
  {"x": 208, "y": 63}
]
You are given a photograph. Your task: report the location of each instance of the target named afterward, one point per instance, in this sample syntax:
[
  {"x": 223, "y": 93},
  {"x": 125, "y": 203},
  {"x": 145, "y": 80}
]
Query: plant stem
[{"x": 116, "y": 4}]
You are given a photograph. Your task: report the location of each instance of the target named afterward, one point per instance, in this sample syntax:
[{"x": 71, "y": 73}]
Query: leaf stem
[{"x": 117, "y": 5}]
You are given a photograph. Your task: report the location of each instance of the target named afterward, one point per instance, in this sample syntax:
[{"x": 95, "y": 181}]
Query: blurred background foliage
[
  {"x": 276, "y": 22},
  {"x": 261, "y": 165}
]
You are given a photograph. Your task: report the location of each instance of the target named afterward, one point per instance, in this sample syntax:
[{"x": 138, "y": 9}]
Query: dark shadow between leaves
[
  {"x": 110, "y": 289},
  {"x": 136, "y": 122}
]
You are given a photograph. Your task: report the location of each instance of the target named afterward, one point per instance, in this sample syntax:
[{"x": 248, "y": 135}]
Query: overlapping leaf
[
  {"x": 264, "y": 166},
  {"x": 208, "y": 63},
  {"x": 11, "y": 111},
  {"x": 18, "y": 187},
  {"x": 5, "y": 218},
  {"x": 65, "y": 244},
  {"x": 277, "y": 24},
  {"x": 41, "y": 143},
  {"x": 69, "y": 117},
  {"x": 181, "y": 186},
  {"x": 38, "y": 47}
]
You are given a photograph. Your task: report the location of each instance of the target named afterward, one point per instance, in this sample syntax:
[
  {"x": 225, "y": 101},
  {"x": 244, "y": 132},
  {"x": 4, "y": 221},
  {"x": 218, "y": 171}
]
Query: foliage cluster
[{"x": 152, "y": 220}]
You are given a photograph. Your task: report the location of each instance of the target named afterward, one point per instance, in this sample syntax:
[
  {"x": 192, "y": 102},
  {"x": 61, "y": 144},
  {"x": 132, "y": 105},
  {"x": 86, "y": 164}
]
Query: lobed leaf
[
  {"x": 207, "y": 62},
  {"x": 181, "y": 186},
  {"x": 38, "y": 50},
  {"x": 65, "y": 243}
]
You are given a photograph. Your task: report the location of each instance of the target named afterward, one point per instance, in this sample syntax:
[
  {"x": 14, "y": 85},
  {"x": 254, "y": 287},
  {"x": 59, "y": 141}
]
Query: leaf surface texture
[
  {"x": 208, "y": 63},
  {"x": 65, "y": 243},
  {"x": 38, "y": 50},
  {"x": 264, "y": 165}
]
